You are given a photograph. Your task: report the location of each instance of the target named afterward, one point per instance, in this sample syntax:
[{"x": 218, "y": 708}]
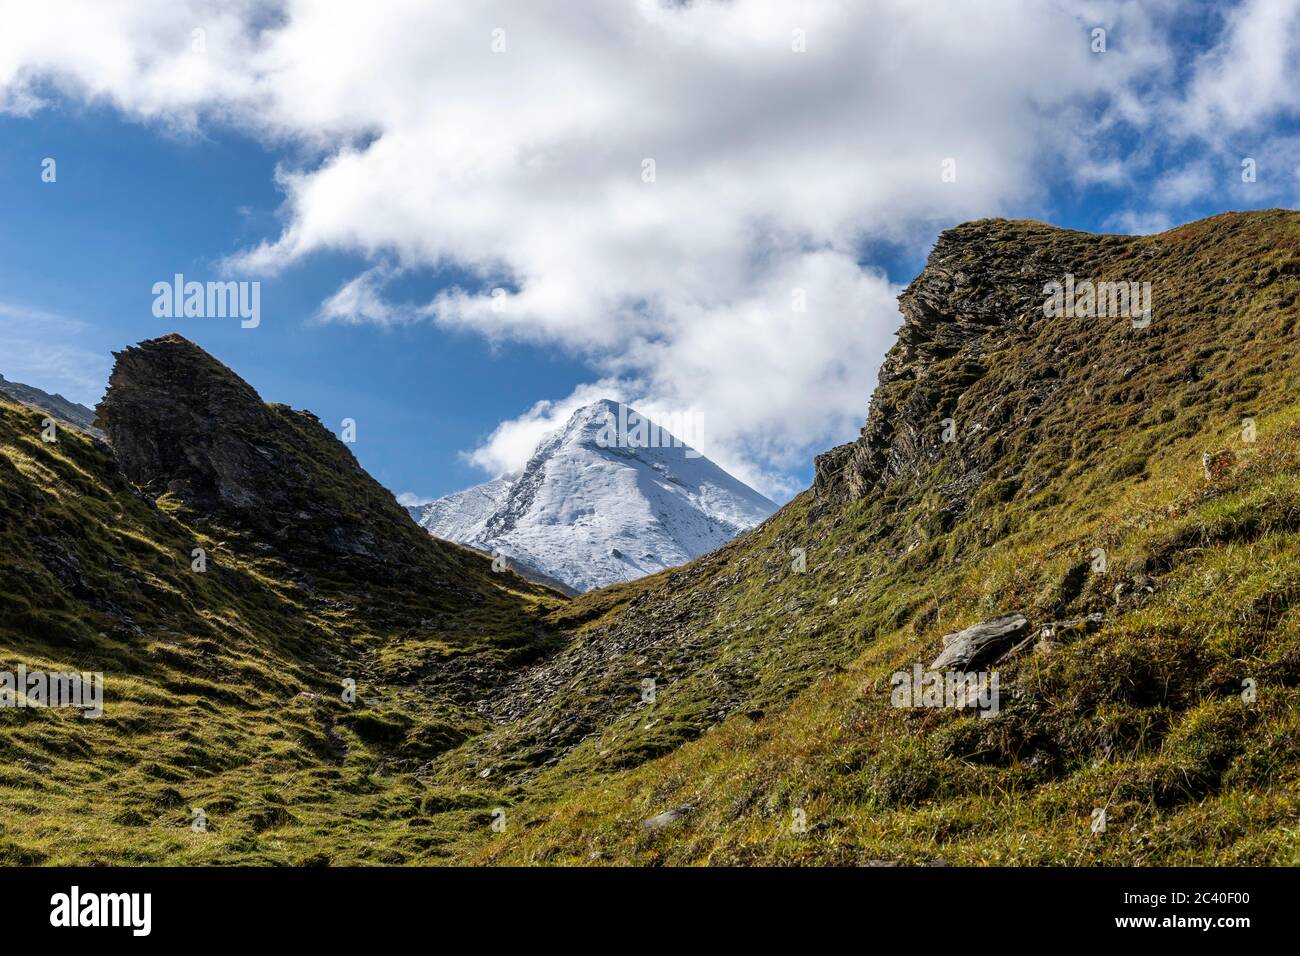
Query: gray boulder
[
  {"x": 980, "y": 643},
  {"x": 667, "y": 817}
]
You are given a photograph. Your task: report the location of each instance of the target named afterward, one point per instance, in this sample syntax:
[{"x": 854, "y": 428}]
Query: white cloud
[
  {"x": 360, "y": 301},
  {"x": 411, "y": 142},
  {"x": 409, "y": 499},
  {"x": 139, "y": 57},
  {"x": 1132, "y": 222},
  {"x": 1250, "y": 74},
  {"x": 1182, "y": 186}
]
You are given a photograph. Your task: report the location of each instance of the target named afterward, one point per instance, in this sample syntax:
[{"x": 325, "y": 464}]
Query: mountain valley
[{"x": 332, "y": 684}]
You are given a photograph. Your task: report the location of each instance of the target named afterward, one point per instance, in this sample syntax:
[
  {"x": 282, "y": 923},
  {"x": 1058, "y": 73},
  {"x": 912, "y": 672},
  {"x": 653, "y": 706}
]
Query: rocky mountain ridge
[
  {"x": 62, "y": 409},
  {"x": 184, "y": 426}
]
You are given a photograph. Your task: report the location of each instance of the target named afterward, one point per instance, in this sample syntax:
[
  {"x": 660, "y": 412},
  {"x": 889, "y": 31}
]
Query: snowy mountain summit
[{"x": 609, "y": 497}]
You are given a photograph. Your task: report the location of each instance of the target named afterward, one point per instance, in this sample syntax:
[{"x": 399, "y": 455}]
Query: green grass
[
  {"x": 1144, "y": 718},
  {"x": 205, "y": 675}
]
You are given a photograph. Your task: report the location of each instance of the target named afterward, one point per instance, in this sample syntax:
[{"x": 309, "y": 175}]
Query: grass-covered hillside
[
  {"x": 1072, "y": 434},
  {"x": 223, "y": 687},
  {"x": 499, "y": 723}
]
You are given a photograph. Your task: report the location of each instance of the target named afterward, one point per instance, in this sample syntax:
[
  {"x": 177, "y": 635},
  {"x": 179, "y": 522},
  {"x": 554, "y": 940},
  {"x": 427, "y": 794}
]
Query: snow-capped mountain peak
[{"x": 609, "y": 497}]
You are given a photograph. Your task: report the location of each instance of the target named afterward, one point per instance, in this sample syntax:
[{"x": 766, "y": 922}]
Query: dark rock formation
[
  {"x": 982, "y": 284},
  {"x": 181, "y": 422}
]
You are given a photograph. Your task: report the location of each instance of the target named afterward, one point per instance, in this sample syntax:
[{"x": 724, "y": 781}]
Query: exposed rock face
[
  {"x": 988, "y": 396},
  {"x": 982, "y": 284},
  {"x": 181, "y": 422}
]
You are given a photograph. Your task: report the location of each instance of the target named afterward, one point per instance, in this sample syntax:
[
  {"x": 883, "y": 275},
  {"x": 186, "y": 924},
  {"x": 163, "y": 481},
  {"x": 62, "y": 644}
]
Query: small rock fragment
[{"x": 667, "y": 817}]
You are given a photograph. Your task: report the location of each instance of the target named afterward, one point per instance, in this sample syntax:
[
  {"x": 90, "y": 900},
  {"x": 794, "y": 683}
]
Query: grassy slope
[
  {"x": 1144, "y": 718},
  {"x": 205, "y": 674}
]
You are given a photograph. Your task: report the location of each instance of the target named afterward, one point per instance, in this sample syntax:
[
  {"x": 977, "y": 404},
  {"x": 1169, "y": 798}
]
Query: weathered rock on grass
[
  {"x": 667, "y": 818},
  {"x": 980, "y": 644}
]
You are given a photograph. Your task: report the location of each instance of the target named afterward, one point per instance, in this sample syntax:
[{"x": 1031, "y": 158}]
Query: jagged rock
[
  {"x": 182, "y": 423},
  {"x": 980, "y": 643},
  {"x": 982, "y": 281},
  {"x": 667, "y": 817},
  {"x": 827, "y": 469}
]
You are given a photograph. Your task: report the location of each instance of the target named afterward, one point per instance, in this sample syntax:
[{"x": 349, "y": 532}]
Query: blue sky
[
  {"x": 380, "y": 180},
  {"x": 132, "y": 204}
]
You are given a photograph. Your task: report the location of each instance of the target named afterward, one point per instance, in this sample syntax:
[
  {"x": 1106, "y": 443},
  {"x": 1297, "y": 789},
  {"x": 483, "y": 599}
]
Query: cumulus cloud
[
  {"x": 653, "y": 185},
  {"x": 1132, "y": 222},
  {"x": 1181, "y": 186},
  {"x": 408, "y": 499},
  {"x": 1238, "y": 90},
  {"x": 167, "y": 61},
  {"x": 1249, "y": 75},
  {"x": 360, "y": 301}
]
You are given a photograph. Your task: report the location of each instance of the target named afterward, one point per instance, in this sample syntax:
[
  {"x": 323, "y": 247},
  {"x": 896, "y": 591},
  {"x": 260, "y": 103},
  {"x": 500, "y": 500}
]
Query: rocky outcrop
[
  {"x": 182, "y": 423},
  {"x": 981, "y": 286}
]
